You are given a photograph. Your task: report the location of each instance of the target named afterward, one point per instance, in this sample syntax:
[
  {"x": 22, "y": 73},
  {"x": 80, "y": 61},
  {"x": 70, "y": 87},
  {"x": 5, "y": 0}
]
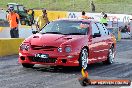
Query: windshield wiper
[
  {"x": 52, "y": 33},
  {"x": 74, "y": 34}
]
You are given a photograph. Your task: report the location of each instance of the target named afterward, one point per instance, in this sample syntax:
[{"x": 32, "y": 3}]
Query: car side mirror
[
  {"x": 96, "y": 35},
  {"x": 34, "y": 32}
]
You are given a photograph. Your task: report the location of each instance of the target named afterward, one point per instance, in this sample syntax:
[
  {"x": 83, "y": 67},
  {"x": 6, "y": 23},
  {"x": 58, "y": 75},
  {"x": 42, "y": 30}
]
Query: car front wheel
[
  {"x": 27, "y": 65},
  {"x": 83, "y": 60},
  {"x": 111, "y": 56}
]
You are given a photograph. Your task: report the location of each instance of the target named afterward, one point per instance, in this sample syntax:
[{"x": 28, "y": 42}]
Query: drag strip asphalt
[{"x": 13, "y": 75}]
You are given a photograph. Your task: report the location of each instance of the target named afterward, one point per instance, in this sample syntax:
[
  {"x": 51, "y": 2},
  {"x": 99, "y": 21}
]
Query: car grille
[
  {"x": 44, "y": 60},
  {"x": 44, "y": 48}
]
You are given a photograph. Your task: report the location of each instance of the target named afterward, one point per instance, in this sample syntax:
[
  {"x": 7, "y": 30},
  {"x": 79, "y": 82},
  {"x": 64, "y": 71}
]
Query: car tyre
[
  {"x": 111, "y": 56},
  {"x": 83, "y": 60},
  {"x": 27, "y": 65}
]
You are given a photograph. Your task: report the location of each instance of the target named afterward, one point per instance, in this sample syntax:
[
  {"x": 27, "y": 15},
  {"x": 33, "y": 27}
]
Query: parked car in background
[{"x": 68, "y": 42}]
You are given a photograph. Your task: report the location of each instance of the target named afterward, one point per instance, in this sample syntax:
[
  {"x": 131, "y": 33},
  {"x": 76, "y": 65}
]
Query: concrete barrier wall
[
  {"x": 24, "y": 32},
  {"x": 52, "y": 15},
  {"x": 9, "y": 46}
]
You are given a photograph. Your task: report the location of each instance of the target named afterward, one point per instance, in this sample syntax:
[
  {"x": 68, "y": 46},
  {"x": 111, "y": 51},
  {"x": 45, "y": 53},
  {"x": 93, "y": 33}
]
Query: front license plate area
[{"x": 39, "y": 55}]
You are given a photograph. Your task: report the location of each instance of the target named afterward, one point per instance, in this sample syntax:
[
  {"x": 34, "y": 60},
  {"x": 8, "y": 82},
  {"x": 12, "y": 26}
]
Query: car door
[
  {"x": 95, "y": 43},
  {"x": 103, "y": 49}
]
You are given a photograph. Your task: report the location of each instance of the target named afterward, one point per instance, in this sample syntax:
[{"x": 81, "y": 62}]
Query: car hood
[{"x": 53, "y": 39}]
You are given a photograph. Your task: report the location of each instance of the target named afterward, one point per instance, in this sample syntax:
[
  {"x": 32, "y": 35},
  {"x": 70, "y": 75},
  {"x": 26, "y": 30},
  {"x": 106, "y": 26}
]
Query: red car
[{"x": 68, "y": 42}]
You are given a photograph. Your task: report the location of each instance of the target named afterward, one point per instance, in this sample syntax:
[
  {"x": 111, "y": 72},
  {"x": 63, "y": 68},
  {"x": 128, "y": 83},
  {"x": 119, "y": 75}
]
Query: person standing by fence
[
  {"x": 104, "y": 20},
  {"x": 92, "y": 6},
  {"x": 84, "y": 15},
  {"x": 13, "y": 19}
]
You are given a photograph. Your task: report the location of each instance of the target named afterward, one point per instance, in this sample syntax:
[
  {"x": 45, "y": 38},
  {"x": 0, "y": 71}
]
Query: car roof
[{"x": 75, "y": 19}]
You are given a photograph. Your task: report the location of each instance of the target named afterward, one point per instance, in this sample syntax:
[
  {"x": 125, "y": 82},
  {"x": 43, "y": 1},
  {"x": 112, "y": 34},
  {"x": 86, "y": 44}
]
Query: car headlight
[
  {"x": 59, "y": 49},
  {"x": 67, "y": 49},
  {"x": 24, "y": 47}
]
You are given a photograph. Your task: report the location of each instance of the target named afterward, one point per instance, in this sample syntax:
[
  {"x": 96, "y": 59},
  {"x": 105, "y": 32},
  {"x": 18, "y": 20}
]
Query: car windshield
[{"x": 66, "y": 28}]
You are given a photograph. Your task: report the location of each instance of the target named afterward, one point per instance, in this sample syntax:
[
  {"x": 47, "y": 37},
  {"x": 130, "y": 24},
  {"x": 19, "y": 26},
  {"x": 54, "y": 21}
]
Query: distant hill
[{"x": 110, "y": 6}]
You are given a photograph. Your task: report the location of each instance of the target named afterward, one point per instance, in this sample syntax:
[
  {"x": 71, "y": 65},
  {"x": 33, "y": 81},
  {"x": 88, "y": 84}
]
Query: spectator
[
  {"x": 102, "y": 14},
  {"x": 13, "y": 19},
  {"x": 84, "y": 16},
  {"x": 31, "y": 16},
  {"x": 92, "y": 6},
  {"x": 125, "y": 29},
  {"x": 42, "y": 20},
  {"x": 104, "y": 20}
]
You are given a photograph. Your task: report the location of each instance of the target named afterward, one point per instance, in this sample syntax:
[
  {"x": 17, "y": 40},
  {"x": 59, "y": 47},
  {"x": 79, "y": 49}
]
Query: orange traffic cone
[
  {"x": 84, "y": 73},
  {"x": 84, "y": 80}
]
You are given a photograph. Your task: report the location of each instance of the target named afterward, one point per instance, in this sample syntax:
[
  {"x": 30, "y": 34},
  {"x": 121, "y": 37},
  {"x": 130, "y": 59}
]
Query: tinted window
[
  {"x": 102, "y": 28},
  {"x": 94, "y": 29},
  {"x": 66, "y": 27}
]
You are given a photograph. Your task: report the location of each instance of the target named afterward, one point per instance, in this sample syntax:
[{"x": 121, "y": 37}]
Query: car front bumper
[{"x": 56, "y": 60}]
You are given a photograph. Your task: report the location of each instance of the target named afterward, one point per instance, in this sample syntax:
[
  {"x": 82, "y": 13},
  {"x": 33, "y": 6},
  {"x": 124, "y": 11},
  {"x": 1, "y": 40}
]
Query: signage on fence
[{"x": 111, "y": 17}]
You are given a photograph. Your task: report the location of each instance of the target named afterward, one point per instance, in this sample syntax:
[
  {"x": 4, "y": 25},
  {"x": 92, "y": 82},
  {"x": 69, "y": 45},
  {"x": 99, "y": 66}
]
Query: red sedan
[{"x": 68, "y": 42}]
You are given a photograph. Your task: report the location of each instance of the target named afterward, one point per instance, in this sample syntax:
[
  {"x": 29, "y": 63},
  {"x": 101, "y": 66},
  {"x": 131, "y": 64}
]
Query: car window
[
  {"x": 94, "y": 29},
  {"x": 103, "y": 30},
  {"x": 66, "y": 27}
]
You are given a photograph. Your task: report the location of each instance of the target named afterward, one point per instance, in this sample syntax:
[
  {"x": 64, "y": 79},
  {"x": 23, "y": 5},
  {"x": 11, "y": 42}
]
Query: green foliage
[{"x": 109, "y": 6}]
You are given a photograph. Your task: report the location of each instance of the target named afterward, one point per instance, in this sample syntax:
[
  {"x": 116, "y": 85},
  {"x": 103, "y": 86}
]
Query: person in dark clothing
[
  {"x": 124, "y": 29},
  {"x": 92, "y": 6}
]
